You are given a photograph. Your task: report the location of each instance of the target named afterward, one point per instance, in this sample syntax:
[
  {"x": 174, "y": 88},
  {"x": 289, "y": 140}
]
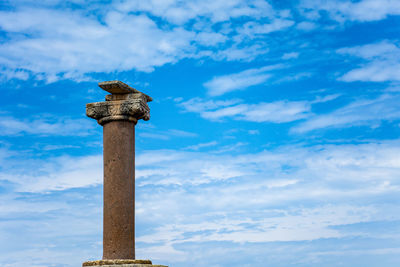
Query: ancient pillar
[{"x": 118, "y": 115}]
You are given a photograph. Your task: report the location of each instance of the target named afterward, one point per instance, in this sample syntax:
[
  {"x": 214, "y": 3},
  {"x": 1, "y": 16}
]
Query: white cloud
[
  {"x": 58, "y": 147},
  {"x": 306, "y": 26},
  {"x": 210, "y": 38},
  {"x": 59, "y": 173},
  {"x": 367, "y": 112},
  {"x": 254, "y": 28},
  {"x": 263, "y": 194},
  {"x": 239, "y": 81},
  {"x": 166, "y": 135},
  {"x": 384, "y": 49},
  {"x": 57, "y": 50},
  {"x": 299, "y": 225},
  {"x": 290, "y": 55},
  {"x": 383, "y": 62},
  {"x": 57, "y": 47},
  {"x": 286, "y": 194},
  {"x": 178, "y": 12},
  {"x": 253, "y": 132},
  {"x": 237, "y": 52},
  {"x": 198, "y": 146},
  {"x": 332, "y": 171},
  {"x": 159, "y": 136},
  {"x": 15, "y": 74},
  {"x": 327, "y": 98},
  {"x": 276, "y": 112},
  {"x": 374, "y": 72},
  {"x": 180, "y": 133},
  {"x": 198, "y": 105},
  {"x": 44, "y": 125},
  {"x": 343, "y": 10}
]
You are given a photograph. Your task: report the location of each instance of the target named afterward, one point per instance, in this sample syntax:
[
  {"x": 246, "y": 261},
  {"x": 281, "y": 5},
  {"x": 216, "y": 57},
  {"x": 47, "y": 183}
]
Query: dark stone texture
[
  {"x": 115, "y": 262},
  {"x": 119, "y": 190}
]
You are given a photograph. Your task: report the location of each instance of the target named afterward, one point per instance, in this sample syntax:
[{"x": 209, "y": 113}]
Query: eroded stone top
[
  {"x": 125, "y": 103},
  {"x": 118, "y": 88}
]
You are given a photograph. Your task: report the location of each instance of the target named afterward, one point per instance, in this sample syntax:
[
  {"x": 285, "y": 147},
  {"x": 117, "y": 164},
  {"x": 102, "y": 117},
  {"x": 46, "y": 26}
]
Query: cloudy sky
[{"x": 274, "y": 138}]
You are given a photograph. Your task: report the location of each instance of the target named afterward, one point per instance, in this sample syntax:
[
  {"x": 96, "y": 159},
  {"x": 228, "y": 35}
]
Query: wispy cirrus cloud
[
  {"x": 362, "y": 112},
  {"x": 318, "y": 164},
  {"x": 290, "y": 55},
  {"x": 270, "y": 180},
  {"x": 202, "y": 145},
  {"x": 276, "y": 112},
  {"x": 44, "y": 125},
  {"x": 382, "y": 62},
  {"x": 220, "y": 85},
  {"x": 252, "y": 29},
  {"x": 306, "y": 26},
  {"x": 346, "y": 10},
  {"x": 217, "y": 11},
  {"x": 166, "y": 135},
  {"x": 260, "y": 202},
  {"x": 199, "y": 105},
  {"x": 273, "y": 112},
  {"x": 53, "y": 174}
]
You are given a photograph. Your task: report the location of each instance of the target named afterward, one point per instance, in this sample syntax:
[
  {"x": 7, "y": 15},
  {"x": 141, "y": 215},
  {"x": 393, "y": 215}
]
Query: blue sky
[{"x": 273, "y": 138}]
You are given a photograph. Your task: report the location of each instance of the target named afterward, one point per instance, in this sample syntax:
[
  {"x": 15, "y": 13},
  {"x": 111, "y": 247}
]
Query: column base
[{"x": 120, "y": 263}]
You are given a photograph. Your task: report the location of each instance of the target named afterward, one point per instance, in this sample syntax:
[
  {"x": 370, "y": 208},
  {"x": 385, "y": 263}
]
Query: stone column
[
  {"x": 118, "y": 115},
  {"x": 119, "y": 190}
]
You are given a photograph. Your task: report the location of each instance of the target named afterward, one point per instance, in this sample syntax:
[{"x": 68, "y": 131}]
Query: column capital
[{"x": 124, "y": 103}]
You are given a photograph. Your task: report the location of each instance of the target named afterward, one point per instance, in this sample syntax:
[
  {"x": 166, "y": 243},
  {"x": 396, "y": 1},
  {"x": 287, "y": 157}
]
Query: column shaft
[{"x": 119, "y": 190}]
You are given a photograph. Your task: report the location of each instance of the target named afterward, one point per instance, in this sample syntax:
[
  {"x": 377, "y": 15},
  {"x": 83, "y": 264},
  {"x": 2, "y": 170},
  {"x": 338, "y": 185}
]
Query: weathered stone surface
[
  {"x": 118, "y": 88},
  {"x": 125, "y": 103},
  {"x": 121, "y": 263},
  {"x": 129, "y": 110},
  {"x": 119, "y": 190}
]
